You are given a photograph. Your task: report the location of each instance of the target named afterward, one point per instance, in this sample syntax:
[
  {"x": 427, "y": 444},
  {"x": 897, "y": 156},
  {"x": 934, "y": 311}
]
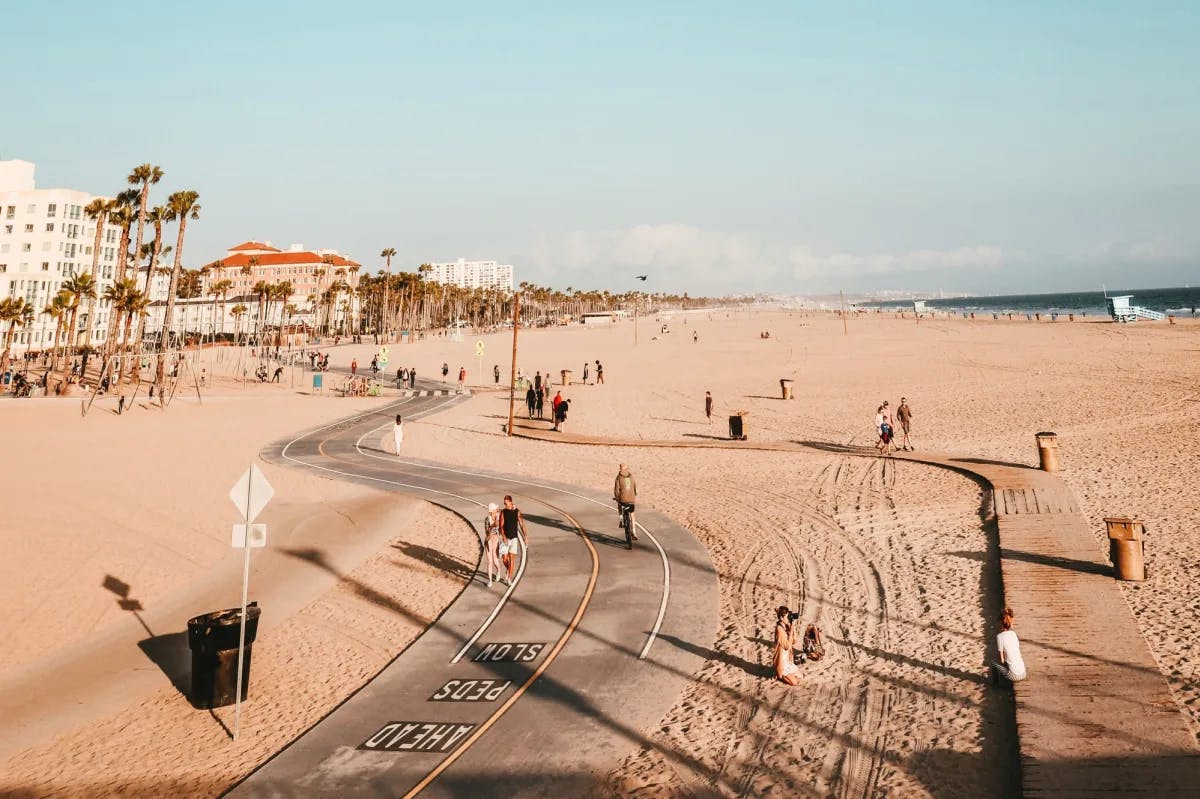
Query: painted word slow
[{"x": 513, "y": 653}]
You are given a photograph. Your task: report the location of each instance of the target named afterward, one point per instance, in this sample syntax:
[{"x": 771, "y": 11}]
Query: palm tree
[
  {"x": 283, "y": 292},
  {"x": 180, "y": 206},
  {"x": 157, "y": 216},
  {"x": 220, "y": 289},
  {"x": 17, "y": 313},
  {"x": 262, "y": 290},
  {"x": 188, "y": 288},
  {"x": 124, "y": 216},
  {"x": 98, "y": 210},
  {"x": 237, "y": 312},
  {"x": 58, "y": 309},
  {"x": 143, "y": 175},
  {"x": 81, "y": 287},
  {"x": 117, "y": 294},
  {"x": 387, "y": 254}
]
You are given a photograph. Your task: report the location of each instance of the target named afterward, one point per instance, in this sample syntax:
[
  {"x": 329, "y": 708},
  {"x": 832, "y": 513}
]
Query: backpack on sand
[{"x": 813, "y": 645}]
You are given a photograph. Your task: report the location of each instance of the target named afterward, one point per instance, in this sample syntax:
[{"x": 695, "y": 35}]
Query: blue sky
[{"x": 790, "y": 147}]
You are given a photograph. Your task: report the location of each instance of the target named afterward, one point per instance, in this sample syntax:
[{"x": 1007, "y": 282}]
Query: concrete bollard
[
  {"x": 785, "y": 387},
  {"x": 1126, "y": 542},
  {"x": 1047, "y": 451}
]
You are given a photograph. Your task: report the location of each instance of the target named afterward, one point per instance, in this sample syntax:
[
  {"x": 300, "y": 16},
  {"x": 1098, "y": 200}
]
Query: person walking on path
[
  {"x": 512, "y": 525},
  {"x": 708, "y": 406},
  {"x": 412, "y": 377},
  {"x": 398, "y": 433},
  {"x": 786, "y": 670},
  {"x": 531, "y": 400},
  {"x": 445, "y": 370},
  {"x": 560, "y": 415},
  {"x": 585, "y": 372},
  {"x": 462, "y": 378},
  {"x": 599, "y": 373},
  {"x": 496, "y": 373},
  {"x": 353, "y": 367},
  {"x": 695, "y": 337},
  {"x": 904, "y": 416},
  {"x": 540, "y": 401},
  {"x": 883, "y": 429},
  {"x": 493, "y": 537},
  {"x": 537, "y": 381},
  {"x": 625, "y": 493},
  {"x": 1011, "y": 666}
]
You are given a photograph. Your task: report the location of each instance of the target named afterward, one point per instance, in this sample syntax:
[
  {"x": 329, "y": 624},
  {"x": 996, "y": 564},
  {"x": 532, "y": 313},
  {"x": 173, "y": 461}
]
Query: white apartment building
[
  {"x": 45, "y": 239},
  {"x": 473, "y": 274}
]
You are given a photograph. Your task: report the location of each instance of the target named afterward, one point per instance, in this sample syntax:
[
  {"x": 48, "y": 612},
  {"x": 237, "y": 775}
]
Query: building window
[
  {"x": 12, "y": 211},
  {"x": 26, "y": 247},
  {"x": 29, "y": 228},
  {"x": 51, "y": 209},
  {"x": 3, "y": 268},
  {"x": 32, "y": 209},
  {"x": 8, "y": 228},
  {"x": 49, "y": 227},
  {"x": 45, "y": 266}
]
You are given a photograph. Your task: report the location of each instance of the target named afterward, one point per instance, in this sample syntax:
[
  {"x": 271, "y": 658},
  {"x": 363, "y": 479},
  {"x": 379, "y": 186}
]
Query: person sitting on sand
[
  {"x": 1011, "y": 666},
  {"x": 786, "y": 670}
]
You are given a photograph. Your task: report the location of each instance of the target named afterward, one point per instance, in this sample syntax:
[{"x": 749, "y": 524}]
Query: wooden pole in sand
[
  {"x": 512, "y": 382},
  {"x": 845, "y": 329}
]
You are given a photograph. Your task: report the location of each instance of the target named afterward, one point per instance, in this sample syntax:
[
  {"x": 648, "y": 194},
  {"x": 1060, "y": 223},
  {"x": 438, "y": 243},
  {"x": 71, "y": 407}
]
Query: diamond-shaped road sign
[
  {"x": 251, "y": 493},
  {"x": 479, "y": 348}
]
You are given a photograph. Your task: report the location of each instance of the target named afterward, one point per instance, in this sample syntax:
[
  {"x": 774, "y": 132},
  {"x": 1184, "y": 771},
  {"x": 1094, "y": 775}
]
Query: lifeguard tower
[
  {"x": 1122, "y": 310},
  {"x": 919, "y": 306}
]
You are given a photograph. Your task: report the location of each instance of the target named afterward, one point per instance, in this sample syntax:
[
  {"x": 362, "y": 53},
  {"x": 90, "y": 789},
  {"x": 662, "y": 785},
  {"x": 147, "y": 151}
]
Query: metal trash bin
[
  {"x": 566, "y": 377},
  {"x": 785, "y": 388},
  {"x": 213, "y": 639},
  {"x": 1047, "y": 444},
  {"x": 737, "y": 426},
  {"x": 1126, "y": 547}
]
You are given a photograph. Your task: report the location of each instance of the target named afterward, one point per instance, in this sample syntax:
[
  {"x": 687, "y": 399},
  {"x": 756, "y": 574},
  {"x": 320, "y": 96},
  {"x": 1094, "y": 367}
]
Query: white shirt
[{"x": 1010, "y": 653}]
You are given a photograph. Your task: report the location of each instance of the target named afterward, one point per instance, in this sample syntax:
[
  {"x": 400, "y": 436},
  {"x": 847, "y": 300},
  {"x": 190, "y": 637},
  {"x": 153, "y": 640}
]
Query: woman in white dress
[{"x": 398, "y": 433}]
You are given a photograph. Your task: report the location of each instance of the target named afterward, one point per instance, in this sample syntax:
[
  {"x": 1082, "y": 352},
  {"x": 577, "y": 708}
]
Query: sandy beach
[{"x": 895, "y": 561}]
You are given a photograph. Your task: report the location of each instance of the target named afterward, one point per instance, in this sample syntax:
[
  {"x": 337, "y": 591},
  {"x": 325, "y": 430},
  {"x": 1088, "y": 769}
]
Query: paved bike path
[{"x": 548, "y": 696}]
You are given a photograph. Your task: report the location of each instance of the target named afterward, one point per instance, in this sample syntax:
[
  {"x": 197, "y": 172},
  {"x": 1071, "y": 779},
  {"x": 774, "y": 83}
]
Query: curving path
[
  {"x": 537, "y": 689},
  {"x": 1096, "y": 718}
]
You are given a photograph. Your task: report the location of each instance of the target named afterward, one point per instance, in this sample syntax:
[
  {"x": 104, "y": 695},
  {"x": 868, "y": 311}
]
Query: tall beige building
[{"x": 45, "y": 239}]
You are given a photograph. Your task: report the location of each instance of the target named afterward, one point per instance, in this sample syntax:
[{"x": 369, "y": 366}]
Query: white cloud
[{"x": 686, "y": 255}]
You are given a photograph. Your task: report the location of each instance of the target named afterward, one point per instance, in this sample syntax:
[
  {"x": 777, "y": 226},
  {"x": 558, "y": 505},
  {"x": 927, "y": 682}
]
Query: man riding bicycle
[{"x": 625, "y": 493}]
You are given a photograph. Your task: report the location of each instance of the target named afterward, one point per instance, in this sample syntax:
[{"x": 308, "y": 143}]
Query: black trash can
[
  {"x": 213, "y": 639},
  {"x": 736, "y": 427}
]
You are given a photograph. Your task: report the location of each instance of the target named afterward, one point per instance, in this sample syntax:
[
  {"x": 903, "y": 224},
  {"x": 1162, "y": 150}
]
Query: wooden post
[
  {"x": 512, "y": 383},
  {"x": 635, "y": 319},
  {"x": 845, "y": 329}
]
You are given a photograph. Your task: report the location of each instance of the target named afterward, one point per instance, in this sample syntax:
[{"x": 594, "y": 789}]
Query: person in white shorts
[{"x": 1011, "y": 666}]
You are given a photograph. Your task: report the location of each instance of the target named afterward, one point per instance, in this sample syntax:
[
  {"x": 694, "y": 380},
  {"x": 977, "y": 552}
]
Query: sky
[{"x": 717, "y": 147}]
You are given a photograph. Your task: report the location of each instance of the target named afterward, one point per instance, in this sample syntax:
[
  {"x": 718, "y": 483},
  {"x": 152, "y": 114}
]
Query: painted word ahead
[
  {"x": 471, "y": 691},
  {"x": 418, "y": 736},
  {"x": 509, "y": 653}
]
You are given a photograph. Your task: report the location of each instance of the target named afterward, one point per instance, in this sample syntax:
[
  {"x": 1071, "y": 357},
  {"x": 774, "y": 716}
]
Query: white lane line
[
  {"x": 662, "y": 607},
  {"x": 524, "y": 557}
]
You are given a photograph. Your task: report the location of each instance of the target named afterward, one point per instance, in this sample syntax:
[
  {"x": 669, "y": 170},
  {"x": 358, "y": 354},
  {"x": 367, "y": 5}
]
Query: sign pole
[
  {"x": 512, "y": 383},
  {"x": 237, "y": 705},
  {"x": 842, "y": 297}
]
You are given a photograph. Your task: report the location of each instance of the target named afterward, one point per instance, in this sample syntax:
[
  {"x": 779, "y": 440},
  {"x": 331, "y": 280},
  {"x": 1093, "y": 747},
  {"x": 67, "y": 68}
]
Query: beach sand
[{"x": 895, "y": 561}]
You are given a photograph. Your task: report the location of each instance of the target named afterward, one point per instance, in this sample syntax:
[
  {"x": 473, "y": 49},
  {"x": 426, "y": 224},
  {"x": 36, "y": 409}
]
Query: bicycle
[{"x": 627, "y": 522}]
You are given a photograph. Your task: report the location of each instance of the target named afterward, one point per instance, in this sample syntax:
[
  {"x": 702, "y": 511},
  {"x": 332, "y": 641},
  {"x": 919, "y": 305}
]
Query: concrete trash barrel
[
  {"x": 213, "y": 639},
  {"x": 566, "y": 377},
  {"x": 737, "y": 426},
  {"x": 785, "y": 388},
  {"x": 1126, "y": 547},
  {"x": 1048, "y": 451}
]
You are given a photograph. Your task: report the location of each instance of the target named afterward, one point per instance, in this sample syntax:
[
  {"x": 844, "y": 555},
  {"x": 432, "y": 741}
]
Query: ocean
[{"x": 1178, "y": 301}]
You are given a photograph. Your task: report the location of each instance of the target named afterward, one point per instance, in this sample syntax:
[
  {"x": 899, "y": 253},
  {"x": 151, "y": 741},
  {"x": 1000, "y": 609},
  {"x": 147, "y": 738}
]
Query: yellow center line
[{"x": 538, "y": 672}]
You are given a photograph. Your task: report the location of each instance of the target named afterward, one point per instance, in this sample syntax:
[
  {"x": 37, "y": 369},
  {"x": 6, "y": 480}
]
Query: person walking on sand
[
  {"x": 695, "y": 337},
  {"x": 1011, "y": 666},
  {"x": 708, "y": 406},
  {"x": 445, "y": 370},
  {"x": 462, "y": 378},
  {"x": 904, "y": 416},
  {"x": 412, "y": 377},
  {"x": 599, "y": 373},
  {"x": 353, "y": 367},
  {"x": 398, "y": 433},
  {"x": 512, "y": 525},
  {"x": 493, "y": 537},
  {"x": 496, "y": 373},
  {"x": 786, "y": 670},
  {"x": 560, "y": 415},
  {"x": 540, "y": 403},
  {"x": 880, "y": 422},
  {"x": 530, "y": 400},
  {"x": 585, "y": 372},
  {"x": 537, "y": 381}
]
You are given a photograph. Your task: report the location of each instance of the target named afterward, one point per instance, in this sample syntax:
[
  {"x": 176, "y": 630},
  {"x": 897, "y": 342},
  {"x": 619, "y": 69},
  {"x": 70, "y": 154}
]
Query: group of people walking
[{"x": 885, "y": 427}]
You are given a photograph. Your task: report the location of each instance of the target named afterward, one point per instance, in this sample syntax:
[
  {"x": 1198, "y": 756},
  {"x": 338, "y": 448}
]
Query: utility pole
[
  {"x": 635, "y": 319},
  {"x": 512, "y": 382},
  {"x": 845, "y": 329}
]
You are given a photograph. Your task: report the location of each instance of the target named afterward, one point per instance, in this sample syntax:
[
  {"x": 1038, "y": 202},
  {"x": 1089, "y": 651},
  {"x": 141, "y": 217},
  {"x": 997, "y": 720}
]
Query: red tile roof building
[{"x": 310, "y": 272}]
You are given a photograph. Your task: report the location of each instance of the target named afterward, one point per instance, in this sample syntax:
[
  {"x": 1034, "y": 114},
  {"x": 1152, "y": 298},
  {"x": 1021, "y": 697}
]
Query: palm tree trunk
[{"x": 169, "y": 313}]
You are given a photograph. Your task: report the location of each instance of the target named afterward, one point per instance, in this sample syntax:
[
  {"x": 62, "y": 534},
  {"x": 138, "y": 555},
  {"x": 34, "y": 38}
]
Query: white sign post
[
  {"x": 250, "y": 494},
  {"x": 479, "y": 353}
]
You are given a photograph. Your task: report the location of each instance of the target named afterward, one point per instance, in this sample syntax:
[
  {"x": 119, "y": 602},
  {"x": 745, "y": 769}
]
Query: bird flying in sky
[{"x": 641, "y": 277}]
